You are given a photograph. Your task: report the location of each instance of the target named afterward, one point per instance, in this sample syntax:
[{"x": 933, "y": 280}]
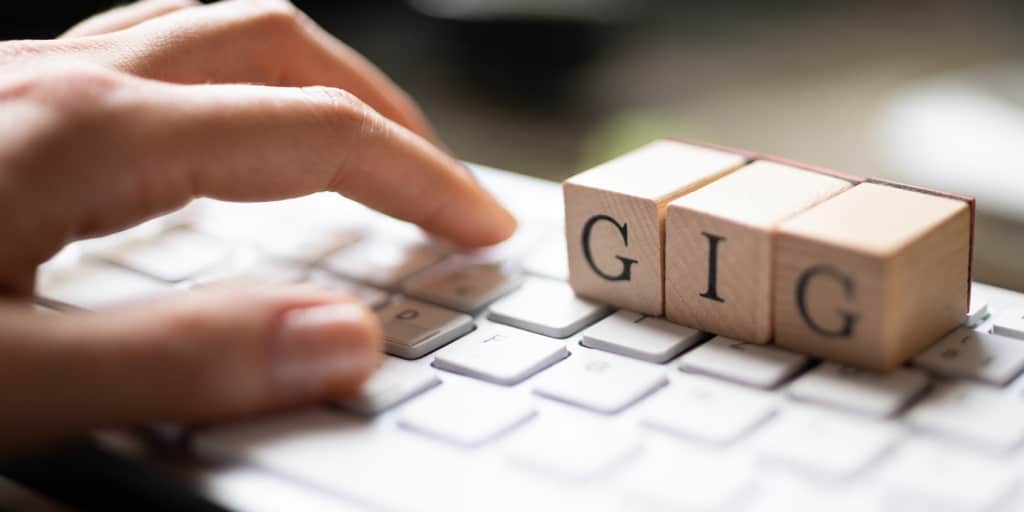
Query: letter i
[{"x": 712, "y": 291}]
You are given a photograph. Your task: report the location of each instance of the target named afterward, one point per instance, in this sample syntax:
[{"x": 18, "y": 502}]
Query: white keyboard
[{"x": 504, "y": 391}]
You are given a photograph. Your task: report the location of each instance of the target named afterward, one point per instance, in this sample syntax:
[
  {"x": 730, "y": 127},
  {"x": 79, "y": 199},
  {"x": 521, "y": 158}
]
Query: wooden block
[
  {"x": 719, "y": 246},
  {"x": 614, "y": 219},
  {"x": 873, "y": 275}
]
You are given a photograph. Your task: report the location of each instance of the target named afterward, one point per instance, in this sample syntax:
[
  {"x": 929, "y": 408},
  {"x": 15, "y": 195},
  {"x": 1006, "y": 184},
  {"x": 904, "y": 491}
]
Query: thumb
[{"x": 209, "y": 354}]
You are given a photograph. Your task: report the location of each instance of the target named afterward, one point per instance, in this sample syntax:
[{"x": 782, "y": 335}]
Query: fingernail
[{"x": 323, "y": 347}]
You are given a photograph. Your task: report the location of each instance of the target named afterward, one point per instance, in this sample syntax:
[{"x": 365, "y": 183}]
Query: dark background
[{"x": 549, "y": 96}]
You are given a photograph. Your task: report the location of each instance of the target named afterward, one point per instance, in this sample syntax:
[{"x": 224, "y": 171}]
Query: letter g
[{"x": 627, "y": 263}]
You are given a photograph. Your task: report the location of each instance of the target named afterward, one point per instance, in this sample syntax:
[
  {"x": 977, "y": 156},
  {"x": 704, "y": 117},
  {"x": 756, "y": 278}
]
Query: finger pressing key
[{"x": 252, "y": 143}]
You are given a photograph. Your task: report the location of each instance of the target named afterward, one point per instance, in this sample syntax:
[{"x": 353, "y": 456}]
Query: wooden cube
[
  {"x": 614, "y": 219},
  {"x": 874, "y": 274},
  {"x": 719, "y": 246}
]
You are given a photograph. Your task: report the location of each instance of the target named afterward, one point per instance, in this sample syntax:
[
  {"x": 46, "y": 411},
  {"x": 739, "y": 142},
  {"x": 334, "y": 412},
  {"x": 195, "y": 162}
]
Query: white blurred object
[{"x": 961, "y": 132}]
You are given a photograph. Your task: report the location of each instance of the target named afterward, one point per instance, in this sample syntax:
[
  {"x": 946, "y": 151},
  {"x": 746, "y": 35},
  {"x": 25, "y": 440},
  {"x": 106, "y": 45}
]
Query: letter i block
[
  {"x": 719, "y": 246},
  {"x": 614, "y": 219},
  {"x": 873, "y": 275}
]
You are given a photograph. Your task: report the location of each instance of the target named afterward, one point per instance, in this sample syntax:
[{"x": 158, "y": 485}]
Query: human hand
[{"x": 137, "y": 111}]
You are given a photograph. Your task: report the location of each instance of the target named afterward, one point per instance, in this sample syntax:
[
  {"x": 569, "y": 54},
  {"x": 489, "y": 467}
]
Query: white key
[
  {"x": 466, "y": 415},
  {"x": 970, "y": 354},
  {"x": 977, "y": 312},
  {"x": 689, "y": 480},
  {"x": 312, "y": 217},
  {"x": 706, "y": 410},
  {"x": 393, "y": 383},
  {"x": 599, "y": 382},
  {"x": 926, "y": 475},
  {"x": 549, "y": 259},
  {"x": 373, "y": 297},
  {"x": 346, "y": 456},
  {"x": 250, "y": 266},
  {"x": 500, "y": 354},
  {"x": 382, "y": 262},
  {"x": 413, "y": 329},
  {"x": 1010, "y": 323},
  {"x": 253, "y": 489},
  {"x": 96, "y": 285},
  {"x": 824, "y": 444},
  {"x": 173, "y": 256},
  {"x": 972, "y": 413},
  {"x": 640, "y": 336},
  {"x": 509, "y": 251},
  {"x": 306, "y": 244},
  {"x": 788, "y": 491},
  {"x": 571, "y": 447},
  {"x": 547, "y": 307},
  {"x": 467, "y": 287},
  {"x": 761, "y": 366},
  {"x": 863, "y": 391}
]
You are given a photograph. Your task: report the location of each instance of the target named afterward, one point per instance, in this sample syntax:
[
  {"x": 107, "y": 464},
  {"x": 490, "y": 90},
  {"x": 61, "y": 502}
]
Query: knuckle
[
  {"x": 357, "y": 125},
  {"x": 271, "y": 16},
  {"x": 337, "y": 102},
  {"x": 345, "y": 110}
]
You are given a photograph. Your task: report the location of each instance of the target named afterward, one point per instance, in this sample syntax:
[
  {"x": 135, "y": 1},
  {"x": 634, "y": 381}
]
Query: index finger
[{"x": 254, "y": 143}]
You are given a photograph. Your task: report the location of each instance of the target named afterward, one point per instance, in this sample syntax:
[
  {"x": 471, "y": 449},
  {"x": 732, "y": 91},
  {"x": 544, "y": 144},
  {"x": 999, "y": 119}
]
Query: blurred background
[{"x": 927, "y": 92}]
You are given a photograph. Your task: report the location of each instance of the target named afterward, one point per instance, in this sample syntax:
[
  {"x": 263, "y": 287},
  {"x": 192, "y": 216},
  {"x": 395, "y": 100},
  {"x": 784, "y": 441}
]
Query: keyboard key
[
  {"x": 761, "y": 366},
  {"x": 969, "y": 354},
  {"x": 824, "y": 444},
  {"x": 305, "y": 245},
  {"x": 550, "y": 259},
  {"x": 1010, "y": 323},
  {"x": 384, "y": 262},
  {"x": 686, "y": 480},
  {"x": 926, "y": 475},
  {"x": 373, "y": 297},
  {"x": 510, "y": 251},
  {"x": 569, "y": 447},
  {"x": 393, "y": 383},
  {"x": 413, "y": 329},
  {"x": 261, "y": 436},
  {"x": 345, "y": 455},
  {"x": 301, "y": 230},
  {"x": 466, "y": 415},
  {"x": 254, "y": 489},
  {"x": 640, "y": 337},
  {"x": 706, "y": 410},
  {"x": 173, "y": 256},
  {"x": 779, "y": 491},
  {"x": 250, "y": 266},
  {"x": 501, "y": 355},
  {"x": 466, "y": 287},
  {"x": 96, "y": 285},
  {"x": 977, "y": 312},
  {"x": 858, "y": 390},
  {"x": 598, "y": 382},
  {"x": 971, "y": 413},
  {"x": 547, "y": 307}
]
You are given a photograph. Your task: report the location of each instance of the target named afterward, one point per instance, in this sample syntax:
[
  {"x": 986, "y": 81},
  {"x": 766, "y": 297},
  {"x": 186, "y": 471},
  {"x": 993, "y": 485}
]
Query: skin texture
[{"x": 133, "y": 113}]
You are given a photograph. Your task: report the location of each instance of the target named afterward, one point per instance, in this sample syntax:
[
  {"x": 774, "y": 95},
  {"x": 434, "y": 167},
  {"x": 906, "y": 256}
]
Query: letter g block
[
  {"x": 874, "y": 274},
  {"x": 614, "y": 219}
]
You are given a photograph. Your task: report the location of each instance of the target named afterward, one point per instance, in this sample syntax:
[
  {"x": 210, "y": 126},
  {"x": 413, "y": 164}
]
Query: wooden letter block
[
  {"x": 614, "y": 219},
  {"x": 873, "y": 275},
  {"x": 719, "y": 246}
]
